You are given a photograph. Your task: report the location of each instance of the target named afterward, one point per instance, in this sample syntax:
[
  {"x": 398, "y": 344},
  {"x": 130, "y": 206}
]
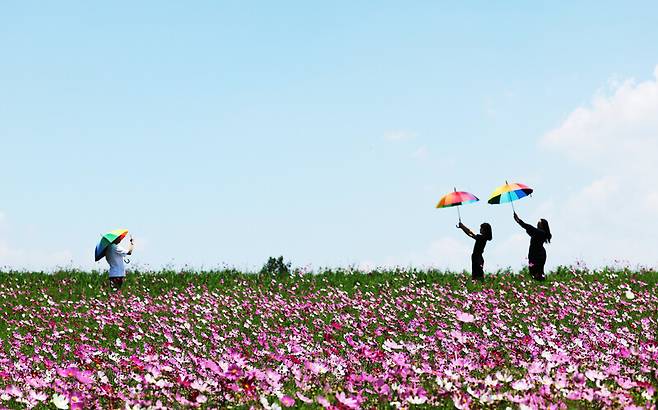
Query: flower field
[{"x": 340, "y": 340}]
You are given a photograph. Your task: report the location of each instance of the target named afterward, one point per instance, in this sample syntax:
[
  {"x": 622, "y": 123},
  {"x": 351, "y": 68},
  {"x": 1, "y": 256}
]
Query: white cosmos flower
[
  {"x": 60, "y": 401},
  {"x": 390, "y": 345},
  {"x": 504, "y": 377},
  {"x": 416, "y": 399},
  {"x": 521, "y": 385}
]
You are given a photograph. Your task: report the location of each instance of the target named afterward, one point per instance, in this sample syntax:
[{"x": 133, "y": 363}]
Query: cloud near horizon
[
  {"x": 399, "y": 135},
  {"x": 615, "y": 138},
  {"x": 14, "y": 256}
]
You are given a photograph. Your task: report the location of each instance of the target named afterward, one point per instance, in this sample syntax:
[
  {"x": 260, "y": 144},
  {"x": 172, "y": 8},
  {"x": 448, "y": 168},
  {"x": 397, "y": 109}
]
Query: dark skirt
[{"x": 477, "y": 267}]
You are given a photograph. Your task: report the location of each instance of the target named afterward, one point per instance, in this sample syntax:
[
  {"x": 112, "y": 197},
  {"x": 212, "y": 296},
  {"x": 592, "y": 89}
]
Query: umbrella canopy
[
  {"x": 509, "y": 193},
  {"x": 106, "y": 240},
  {"x": 456, "y": 198}
]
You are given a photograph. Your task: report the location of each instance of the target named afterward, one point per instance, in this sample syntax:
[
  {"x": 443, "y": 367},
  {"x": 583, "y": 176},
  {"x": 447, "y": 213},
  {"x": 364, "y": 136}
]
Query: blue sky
[{"x": 226, "y": 132}]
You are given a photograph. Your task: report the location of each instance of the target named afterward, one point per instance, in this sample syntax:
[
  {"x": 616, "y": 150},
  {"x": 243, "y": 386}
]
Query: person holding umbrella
[
  {"x": 457, "y": 199},
  {"x": 538, "y": 236},
  {"x": 536, "y": 253},
  {"x": 477, "y": 260},
  {"x": 109, "y": 248}
]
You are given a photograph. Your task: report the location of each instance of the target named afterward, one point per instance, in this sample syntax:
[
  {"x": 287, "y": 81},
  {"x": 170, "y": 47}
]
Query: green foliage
[
  {"x": 276, "y": 267},
  {"x": 276, "y": 273}
]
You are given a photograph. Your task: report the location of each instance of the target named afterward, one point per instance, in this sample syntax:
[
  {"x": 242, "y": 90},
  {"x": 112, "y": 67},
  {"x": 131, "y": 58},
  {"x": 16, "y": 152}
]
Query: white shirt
[{"x": 114, "y": 256}]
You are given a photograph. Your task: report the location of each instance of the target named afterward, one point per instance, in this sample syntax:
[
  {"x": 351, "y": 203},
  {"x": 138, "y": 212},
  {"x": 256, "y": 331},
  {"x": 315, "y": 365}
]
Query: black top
[
  {"x": 537, "y": 239},
  {"x": 480, "y": 242}
]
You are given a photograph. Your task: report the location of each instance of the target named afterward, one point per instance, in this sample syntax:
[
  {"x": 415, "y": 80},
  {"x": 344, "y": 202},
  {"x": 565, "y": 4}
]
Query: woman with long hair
[
  {"x": 477, "y": 260},
  {"x": 536, "y": 253}
]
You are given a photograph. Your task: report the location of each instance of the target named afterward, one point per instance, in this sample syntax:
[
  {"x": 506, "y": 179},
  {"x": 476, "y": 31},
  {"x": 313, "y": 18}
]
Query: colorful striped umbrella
[
  {"x": 509, "y": 193},
  {"x": 456, "y": 198},
  {"x": 107, "y": 239}
]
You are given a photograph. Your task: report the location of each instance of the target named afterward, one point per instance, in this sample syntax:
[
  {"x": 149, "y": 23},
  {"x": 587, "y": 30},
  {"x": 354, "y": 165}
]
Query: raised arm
[
  {"x": 466, "y": 230},
  {"x": 529, "y": 228}
]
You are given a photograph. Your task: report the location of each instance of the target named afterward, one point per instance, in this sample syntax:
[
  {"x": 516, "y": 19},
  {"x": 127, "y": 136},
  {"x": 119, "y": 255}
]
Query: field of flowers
[{"x": 340, "y": 339}]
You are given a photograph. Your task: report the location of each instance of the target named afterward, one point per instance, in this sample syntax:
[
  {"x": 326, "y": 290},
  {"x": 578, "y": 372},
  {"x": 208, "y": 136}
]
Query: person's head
[
  {"x": 485, "y": 229},
  {"x": 543, "y": 225}
]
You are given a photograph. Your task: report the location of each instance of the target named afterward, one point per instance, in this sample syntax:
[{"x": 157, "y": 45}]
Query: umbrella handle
[{"x": 459, "y": 214}]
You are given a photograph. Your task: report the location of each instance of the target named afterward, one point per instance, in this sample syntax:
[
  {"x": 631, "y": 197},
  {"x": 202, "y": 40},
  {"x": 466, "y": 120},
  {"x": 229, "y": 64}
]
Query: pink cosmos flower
[
  {"x": 399, "y": 359},
  {"x": 323, "y": 401},
  {"x": 233, "y": 372},
  {"x": 465, "y": 317},
  {"x": 536, "y": 367},
  {"x": 594, "y": 375},
  {"x": 76, "y": 401},
  {"x": 287, "y": 401},
  {"x": 38, "y": 396},
  {"x": 391, "y": 345},
  {"x": 349, "y": 402},
  {"x": 303, "y": 398},
  {"x": 579, "y": 379},
  {"x": 83, "y": 377},
  {"x": 70, "y": 371}
]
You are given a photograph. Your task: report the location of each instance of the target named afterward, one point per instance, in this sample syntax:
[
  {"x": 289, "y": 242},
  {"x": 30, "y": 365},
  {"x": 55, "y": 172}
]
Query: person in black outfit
[
  {"x": 477, "y": 261},
  {"x": 536, "y": 254}
]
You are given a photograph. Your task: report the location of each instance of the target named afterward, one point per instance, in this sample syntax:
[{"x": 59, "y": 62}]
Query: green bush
[{"x": 276, "y": 267}]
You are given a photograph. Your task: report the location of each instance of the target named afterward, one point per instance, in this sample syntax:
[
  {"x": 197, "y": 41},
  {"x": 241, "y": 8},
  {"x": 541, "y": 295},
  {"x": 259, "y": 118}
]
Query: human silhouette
[
  {"x": 477, "y": 260},
  {"x": 536, "y": 254}
]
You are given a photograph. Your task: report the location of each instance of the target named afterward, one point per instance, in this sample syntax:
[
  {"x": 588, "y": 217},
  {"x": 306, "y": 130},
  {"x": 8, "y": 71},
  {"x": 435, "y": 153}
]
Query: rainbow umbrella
[
  {"x": 509, "y": 193},
  {"x": 456, "y": 198},
  {"x": 107, "y": 239}
]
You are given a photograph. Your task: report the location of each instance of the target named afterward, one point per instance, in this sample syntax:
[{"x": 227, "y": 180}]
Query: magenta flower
[
  {"x": 76, "y": 401},
  {"x": 70, "y": 371},
  {"x": 287, "y": 401},
  {"x": 233, "y": 372}
]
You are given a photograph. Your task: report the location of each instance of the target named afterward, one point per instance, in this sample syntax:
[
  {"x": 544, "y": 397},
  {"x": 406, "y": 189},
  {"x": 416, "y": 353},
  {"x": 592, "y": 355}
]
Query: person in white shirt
[{"x": 114, "y": 255}]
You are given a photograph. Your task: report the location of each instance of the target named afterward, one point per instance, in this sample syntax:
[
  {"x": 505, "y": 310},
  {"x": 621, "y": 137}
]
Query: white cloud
[
  {"x": 399, "y": 135},
  {"x": 617, "y": 133},
  {"x": 421, "y": 153},
  {"x": 613, "y": 217}
]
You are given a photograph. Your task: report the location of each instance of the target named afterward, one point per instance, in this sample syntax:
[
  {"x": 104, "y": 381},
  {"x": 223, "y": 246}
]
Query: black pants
[
  {"x": 477, "y": 267},
  {"x": 536, "y": 265},
  {"x": 116, "y": 283}
]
